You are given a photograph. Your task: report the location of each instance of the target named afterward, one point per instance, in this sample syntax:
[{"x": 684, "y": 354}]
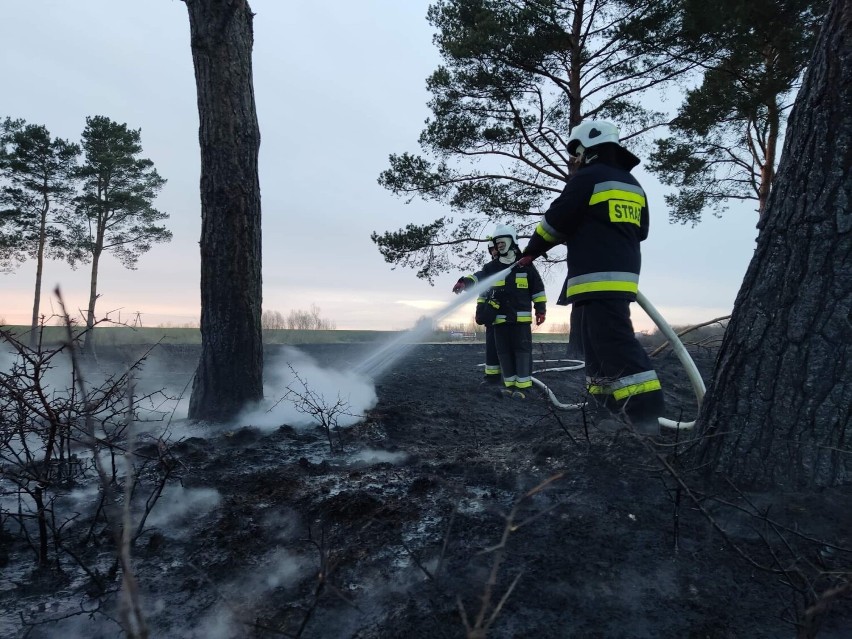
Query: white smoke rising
[
  {"x": 284, "y": 522},
  {"x": 154, "y": 404},
  {"x": 370, "y": 456},
  {"x": 7, "y": 358},
  {"x": 298, "y": 372},
  {"x": 166, "y": 392},
  {"x": 219, "y": 623},
  {"x": 355, "y": 385},
  {"x": 277, "y": 569},
  {"x": 177, "y": 506}
]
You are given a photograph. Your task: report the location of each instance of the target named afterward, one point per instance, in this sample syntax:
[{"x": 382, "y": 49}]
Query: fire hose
[{"x": 677, "y": 346}]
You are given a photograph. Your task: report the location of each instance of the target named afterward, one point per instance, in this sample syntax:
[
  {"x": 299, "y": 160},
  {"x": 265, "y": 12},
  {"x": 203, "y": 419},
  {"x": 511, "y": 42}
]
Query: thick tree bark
[
  {"x": 778, "y": 408},
  {"x": 230, "y": 371}
]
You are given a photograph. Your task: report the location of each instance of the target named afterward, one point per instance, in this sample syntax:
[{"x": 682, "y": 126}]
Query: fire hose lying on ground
[
  {"x": 653, "y": 313},
  {"x": 679, "y": 349}
]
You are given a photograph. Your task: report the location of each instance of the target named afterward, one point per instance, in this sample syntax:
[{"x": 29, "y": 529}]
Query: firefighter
[
  {"x": 511, "y": 302},
  {"x": 492, "y": 362},
  {"x": 602, "y": 216}
]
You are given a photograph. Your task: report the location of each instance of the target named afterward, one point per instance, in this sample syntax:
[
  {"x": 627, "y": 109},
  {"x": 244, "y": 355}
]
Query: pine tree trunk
[
  {"x": 42, "y": 234},
  {"x": 88, "y": 348},
  {"x": 230, "y": 371},
  {"x": 778, "y": 408}
]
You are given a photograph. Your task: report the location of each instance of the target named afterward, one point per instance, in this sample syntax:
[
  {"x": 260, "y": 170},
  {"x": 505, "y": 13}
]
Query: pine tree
[
  {"x": 516, "y": 77},
  {"x": 723, "y": 142},
  {"x": 114, "y": 212},
  {"x": 39, "y": 183}
]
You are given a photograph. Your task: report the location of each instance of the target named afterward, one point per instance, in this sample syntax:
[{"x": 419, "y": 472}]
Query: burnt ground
[{"x": 447, "y": 506}]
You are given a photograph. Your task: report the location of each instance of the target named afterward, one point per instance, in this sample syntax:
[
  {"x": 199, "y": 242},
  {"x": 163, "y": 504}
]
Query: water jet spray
[{"x": 380, "y": 360}]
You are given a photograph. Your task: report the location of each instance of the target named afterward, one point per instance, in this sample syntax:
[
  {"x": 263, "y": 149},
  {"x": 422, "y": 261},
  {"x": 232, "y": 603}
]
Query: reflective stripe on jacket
[
  {"x": 519, "y": 292},
  {"x": 602, "y": 216}
]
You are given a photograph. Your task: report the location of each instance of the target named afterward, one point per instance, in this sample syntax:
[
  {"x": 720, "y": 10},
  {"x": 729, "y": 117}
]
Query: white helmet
[
  {"x": 591, "y": 133},
  {"x": 504, "y": 230}
]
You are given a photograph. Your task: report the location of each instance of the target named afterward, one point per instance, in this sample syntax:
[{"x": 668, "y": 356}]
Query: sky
[{"x": 339, "y": 86}]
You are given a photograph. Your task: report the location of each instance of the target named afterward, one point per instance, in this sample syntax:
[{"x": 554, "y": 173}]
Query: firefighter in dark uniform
[
  {"x": 492, "y": 361},
  {"x": 510, "y": 302},
  {"x": 602, "y": 216}
]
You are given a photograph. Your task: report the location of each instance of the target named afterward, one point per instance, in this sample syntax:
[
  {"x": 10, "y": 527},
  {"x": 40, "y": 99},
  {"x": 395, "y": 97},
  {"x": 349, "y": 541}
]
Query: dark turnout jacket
[
  {"x": 602, "y": 216},
  {"x": 511, "y": 299}
]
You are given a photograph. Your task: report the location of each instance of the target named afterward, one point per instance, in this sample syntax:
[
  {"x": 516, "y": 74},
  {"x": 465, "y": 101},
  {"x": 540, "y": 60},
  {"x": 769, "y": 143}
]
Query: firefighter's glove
[
  {"x": 525, "y": 260},
  {"x": 539, "y": 319},
  {"x": 459, "y": 286}
]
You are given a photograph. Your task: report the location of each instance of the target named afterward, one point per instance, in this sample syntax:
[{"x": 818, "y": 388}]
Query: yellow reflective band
[
  {"x": 617, "y": 194},
  {"x": 595, "y": 287},
  {"x": 545, "y": 235},
  {"x": 500, "y": 283},
  {"x": 637, "y": 389},
  {"x": 526, "y": 384},
  {"x": 492, "y": 370},
  {"x": 541, "y": 297},
  {"x": 599, "y": 390},
  {"x": 521, "y": 281}
]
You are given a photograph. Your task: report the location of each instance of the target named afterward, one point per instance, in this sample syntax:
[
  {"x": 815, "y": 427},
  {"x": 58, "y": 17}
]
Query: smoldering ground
[
  {"x": 441, "y": 500},
  {"x": 161, "y": 379}
]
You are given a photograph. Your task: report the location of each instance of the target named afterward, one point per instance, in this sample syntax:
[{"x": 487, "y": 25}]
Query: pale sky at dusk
[{"x": 339, "y": 86}]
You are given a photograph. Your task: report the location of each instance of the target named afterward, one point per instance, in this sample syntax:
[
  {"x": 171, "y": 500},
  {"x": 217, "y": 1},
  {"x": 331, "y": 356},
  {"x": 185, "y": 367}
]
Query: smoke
[
  {"x": 162, "y": 392},
  {"x": 178, "y": 506},
  {"x": 7, "y": 358},
  {"x": 153, "y": 401},
  {"x": 369, "y": 457},
  {"x": 295, "y": 375},
  {"x": 276, "y": 570}
]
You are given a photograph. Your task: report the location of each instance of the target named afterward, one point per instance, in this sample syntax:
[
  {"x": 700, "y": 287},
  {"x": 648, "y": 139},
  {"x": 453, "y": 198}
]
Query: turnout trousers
[
  {"x": 514, "y": 349},
  {"x": 575, "y": 337},
  {"x": 492, "y": 361},
  {"x": 619, "y": 373}
]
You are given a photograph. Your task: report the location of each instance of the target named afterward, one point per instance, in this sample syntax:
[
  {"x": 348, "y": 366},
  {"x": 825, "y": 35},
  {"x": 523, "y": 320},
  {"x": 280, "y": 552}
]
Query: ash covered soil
[{"x": 449, "y": 508}]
